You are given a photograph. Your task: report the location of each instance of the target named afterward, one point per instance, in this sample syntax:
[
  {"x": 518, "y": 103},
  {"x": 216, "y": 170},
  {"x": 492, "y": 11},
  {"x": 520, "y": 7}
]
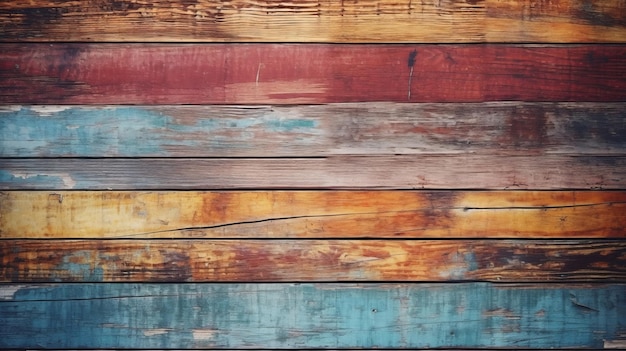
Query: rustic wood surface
[
  {"x": 312, "y": 214},
  {"x": 310, "y": 316},
  {"x": 298, "y": 74},
  {"x": 311, "y": 260},
  {"x": 315, "y": 21},
  {"x": 496, "y": 128},
  {"x": 392, "y": 172}
]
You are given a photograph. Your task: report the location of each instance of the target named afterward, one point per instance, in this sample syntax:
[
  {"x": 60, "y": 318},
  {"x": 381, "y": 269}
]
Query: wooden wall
[{"x": 337, "y": 174}]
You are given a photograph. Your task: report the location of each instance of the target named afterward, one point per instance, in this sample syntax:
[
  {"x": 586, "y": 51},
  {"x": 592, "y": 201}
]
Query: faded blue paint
[
  {"x": 140, "y": 131},
  {"x": 80, "y": 131},
  {"x": 80, "y": 265},
  {"x": 314, "y": 316},
  {"x": 470, "y": 259},
  {"x": 34, "y": 181},
  {"x": 290, "y": 125}
]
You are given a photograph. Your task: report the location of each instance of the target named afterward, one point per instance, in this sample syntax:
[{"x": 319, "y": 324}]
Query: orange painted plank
[
  {"x": 310, "y": 260},
  {"x": 296, "y": 74},
  {"x": 312, "y": 214},
  {"x": 315, "y": 21}
]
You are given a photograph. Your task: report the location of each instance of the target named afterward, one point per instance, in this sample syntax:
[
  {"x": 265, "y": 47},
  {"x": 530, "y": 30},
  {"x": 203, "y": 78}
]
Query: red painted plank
[{"x": 291, "y": 73}]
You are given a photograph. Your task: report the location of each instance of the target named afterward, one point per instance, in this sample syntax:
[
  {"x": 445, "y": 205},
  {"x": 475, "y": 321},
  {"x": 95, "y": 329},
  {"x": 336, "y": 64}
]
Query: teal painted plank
[
  {"x": 317, "y": 130},
  {"x": 310, "y": 315}
]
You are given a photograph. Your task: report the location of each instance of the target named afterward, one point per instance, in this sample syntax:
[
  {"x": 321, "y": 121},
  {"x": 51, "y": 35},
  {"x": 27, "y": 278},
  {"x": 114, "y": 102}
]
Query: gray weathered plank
[{"x": 400, "y": 172}]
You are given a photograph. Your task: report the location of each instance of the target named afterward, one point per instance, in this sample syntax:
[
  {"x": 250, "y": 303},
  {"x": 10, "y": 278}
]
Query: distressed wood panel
[
  {"x": 398, "y": 172},
  {"x": 312, "y": 316},
  {"x": 298, "y": 74},
  {"x": 314, "y": 21},
  {"x": 312, "y": 130},
  {"x": 311, "y": 260},
  {"x": 312, "y": 214}
]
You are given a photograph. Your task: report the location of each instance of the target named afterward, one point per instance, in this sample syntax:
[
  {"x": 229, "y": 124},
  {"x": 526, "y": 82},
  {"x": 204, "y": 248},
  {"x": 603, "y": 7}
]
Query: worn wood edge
[
  {"x": 253, "y": 73},
  {"x": 311, "y": 260},
  {"x": 311, "y": 214},
  {"x": 350, "y": 172},
  {"x": 379, "y": 21},
  {"x": 558, "y": 309},
  {"x": 502, "y": 128}
]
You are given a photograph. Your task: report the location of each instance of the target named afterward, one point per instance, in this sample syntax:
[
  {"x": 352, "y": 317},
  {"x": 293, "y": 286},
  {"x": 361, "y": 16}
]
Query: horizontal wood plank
[
  {"x": 312, "y": 214},
  {"x": 311, "y": 260},
  {"x": 297, "y": 74},
  {"x": 393, "y": 172},
  {"x": 510, "y": 128},
  {"x": 314, "y": 21},
  {"x": 312, "y": 316}
]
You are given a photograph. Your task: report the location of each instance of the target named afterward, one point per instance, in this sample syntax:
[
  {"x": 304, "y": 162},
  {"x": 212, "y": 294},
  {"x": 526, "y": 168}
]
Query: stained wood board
[
  {"x": 307, "y": 74},
  {"x": 503, "y": 128},
  {"x": 349, "y": 172},
  {"x": 312, "y": 214},
  {"x": 310, "y": 315},
  {"x": 565, "y": 21},
  {"x": 311, "y": 260}
]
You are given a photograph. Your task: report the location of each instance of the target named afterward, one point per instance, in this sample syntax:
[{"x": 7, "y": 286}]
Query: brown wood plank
[
  {"x": 315, "y": 21},
  {"x": 504, "y": 128},
  {"x": 312, "y": 214},
  {"x": 310, "y": 260},
  {"x": 393, "y": 172},
  {"x": 296, "y": 74}
]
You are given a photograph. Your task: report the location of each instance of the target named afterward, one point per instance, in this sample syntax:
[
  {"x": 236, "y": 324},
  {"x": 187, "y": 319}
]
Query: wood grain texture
[
  {"x": 503, "y": 128},
  {"x": 383, "y": 172},
  {"x": 312, "y": 214},
  {"x": 298, "y": 74},
  {"x": 311, "y": 316},
  {"x": 315, "y": 21},
  {"x": 311, "y": 260}
]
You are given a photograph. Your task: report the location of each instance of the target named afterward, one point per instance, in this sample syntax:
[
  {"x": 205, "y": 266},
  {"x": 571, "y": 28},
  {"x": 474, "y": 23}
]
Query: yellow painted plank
[
  {"x": 312, "y": 214},
  {"x": 316, "y": 21}
]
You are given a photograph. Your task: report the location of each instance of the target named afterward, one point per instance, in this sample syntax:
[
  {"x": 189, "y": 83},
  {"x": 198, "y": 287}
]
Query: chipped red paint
[{"x": 286, "y": 74}]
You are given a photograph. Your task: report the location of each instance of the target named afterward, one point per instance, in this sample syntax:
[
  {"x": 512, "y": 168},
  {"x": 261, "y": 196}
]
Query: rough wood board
[
  {"x": 310, "y": 316},
  {"x": 511, "y": 128},
  {"x": 298, "y": 74},
  {"x": 391, "y": 172},
  {"x": 314, "y": 21},
  {"x": 312, "y": 214},
  {"x": 311, "y": 260}
]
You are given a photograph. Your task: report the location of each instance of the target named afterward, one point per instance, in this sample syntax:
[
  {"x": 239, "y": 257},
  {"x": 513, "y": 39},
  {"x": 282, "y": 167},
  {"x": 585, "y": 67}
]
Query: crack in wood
[{"x": 464, "y": 208}]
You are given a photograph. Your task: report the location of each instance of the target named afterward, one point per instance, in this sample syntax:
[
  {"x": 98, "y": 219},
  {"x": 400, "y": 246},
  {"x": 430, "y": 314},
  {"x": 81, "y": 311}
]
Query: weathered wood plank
[
  {"x": 312, "y": 316},
  {"x": 394, "y": 172},
  {"x": 314, "y": 21},
  {"x": 311, "y": 260},
  {"x": 296, "y": 74},
  {"x": 312, "y": 130},
  {"x": 312, "y": 214}
]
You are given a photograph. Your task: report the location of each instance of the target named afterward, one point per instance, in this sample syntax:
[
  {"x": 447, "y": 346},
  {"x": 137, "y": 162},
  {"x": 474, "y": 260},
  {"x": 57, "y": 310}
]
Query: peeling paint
[
  {"x": 204, "y": 334},
  {"x": 158, "y": 331},
  {"x": 7, "y": 292},
  {"x": 48, "y": 110},
  {"x": 58, "y": 180}
]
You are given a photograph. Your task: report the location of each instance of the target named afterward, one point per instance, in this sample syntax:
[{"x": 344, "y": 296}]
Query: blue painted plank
[
  {"x": 310, "y": 315},
  {"x": 317, "y": 130}
]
